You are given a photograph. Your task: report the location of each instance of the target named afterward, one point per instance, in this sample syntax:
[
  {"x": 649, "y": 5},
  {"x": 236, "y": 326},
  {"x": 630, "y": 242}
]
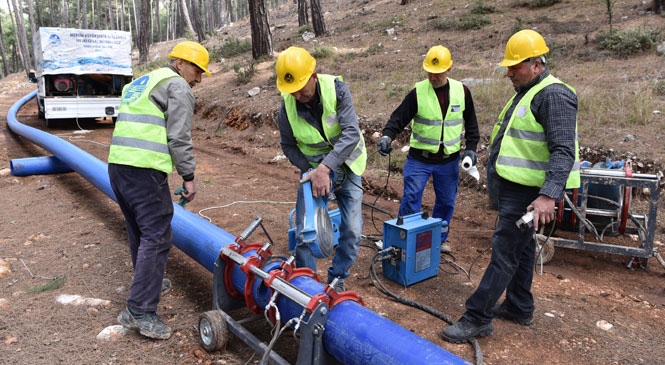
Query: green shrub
[
  {"x": 244, "y": 74},
  {"x": 321, "y": 53},
  {"x": 481, "y": 8},
  {"x": 230, "y": 47},
  {"x": 465, "y": 22},
  {"x": 660, "y": 88},
  {"x": 373, "y": 49},
  {"x": 143, "y": 69},
  {"x": 539, "y": 3},
  {"x": 629, "y": 42}
]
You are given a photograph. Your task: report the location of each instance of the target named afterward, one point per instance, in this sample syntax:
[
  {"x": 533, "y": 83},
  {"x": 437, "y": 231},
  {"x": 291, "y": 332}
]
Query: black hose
[{"x": 378, "y": 257}]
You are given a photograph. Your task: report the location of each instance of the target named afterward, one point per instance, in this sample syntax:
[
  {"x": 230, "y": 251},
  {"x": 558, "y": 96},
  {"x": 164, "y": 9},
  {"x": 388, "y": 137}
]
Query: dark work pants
[
  {"x": 145, "y": 200},
  {"x": 513, "y": 257}
]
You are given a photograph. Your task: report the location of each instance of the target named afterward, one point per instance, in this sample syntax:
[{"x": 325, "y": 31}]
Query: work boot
[
  {"x": 148, "y": 324},
  {"x": 166, "y": 287},
  {"x": 445, "y": 247},
  {"x": 501, "y": 311},
  {"x": 466, "y": 329}
]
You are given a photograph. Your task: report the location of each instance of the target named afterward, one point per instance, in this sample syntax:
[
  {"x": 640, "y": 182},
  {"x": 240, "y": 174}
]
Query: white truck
[{"x": 81, "y": 72}]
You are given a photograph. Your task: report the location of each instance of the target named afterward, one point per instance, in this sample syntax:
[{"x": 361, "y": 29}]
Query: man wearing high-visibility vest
[
  {"x": 442, "y": 116},
  {"x": 319, "y": 134},
  {"x": 533, "y": 158},
  {"x": 151, "y": 135}
]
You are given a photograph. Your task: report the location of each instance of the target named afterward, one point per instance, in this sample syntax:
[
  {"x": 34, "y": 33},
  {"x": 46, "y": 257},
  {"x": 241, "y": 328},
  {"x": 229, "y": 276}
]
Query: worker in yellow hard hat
[
  {"x": 319, "y": 134},
  {"x": 441, "y": 113},
  {"x": 151, "y": 135},
  {"x": 533, "y": 158}
]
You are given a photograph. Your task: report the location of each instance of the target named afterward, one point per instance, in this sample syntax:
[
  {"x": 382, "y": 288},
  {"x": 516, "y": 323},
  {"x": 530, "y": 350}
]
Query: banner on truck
[{"x": 83, "y": 51}]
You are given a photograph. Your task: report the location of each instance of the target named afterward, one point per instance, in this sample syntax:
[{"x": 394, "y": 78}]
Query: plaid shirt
[{"x": 555, "y": 108}]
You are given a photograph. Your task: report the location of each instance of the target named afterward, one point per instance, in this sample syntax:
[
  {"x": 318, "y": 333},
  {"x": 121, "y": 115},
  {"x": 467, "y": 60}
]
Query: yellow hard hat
[
  {"x": 192, "y": 52},
  {"x": 523, "y": 45},
  {"x": 294, "y": 67},
  {"x": 437, "y": 60}
]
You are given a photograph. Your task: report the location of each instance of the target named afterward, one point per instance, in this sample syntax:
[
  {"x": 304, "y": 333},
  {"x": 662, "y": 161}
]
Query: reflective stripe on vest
[
  {"x": 139, "y": 137},
  {"x": 427, "y": 124},
  {"x": 310, "y": 142},
  {"x": 523, "y": 154}
]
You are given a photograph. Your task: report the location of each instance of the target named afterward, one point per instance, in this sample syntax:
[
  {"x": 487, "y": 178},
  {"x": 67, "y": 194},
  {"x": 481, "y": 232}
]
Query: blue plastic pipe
[
  {"x": 38, "y": 166},
  {"x": 353, "y": 335}
]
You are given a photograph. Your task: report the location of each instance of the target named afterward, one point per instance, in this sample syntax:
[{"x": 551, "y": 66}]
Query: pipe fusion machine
[
  {"x": 331, "y": 327},
  {"x": 604, "y": 207}
]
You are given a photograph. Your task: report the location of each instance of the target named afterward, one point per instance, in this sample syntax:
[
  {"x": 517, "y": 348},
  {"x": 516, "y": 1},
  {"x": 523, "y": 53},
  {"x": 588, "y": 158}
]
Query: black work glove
[
  {"x": 472, "y": 155},
  {"x": 384, "y": 146}
]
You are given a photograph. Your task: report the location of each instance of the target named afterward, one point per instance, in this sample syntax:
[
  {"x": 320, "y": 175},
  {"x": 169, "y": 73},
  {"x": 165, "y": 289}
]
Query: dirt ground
[{"x": 60, "y": 235}]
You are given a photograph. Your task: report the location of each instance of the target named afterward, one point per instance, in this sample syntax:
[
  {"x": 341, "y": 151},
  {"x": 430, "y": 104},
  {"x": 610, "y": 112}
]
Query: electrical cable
[
  {"x": 582, "y": 218},
  {"x": 239, "y": 202},
  {"x": 456, "y": 267},
  {"x": 373, "y": 205},
  {"x": 276, "y": 328},
  {"x": 379, "y": 256}
]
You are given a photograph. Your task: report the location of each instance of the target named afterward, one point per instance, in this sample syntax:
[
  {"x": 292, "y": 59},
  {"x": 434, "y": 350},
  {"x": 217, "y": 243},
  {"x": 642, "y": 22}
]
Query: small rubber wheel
[
  {"x": 544, "y": 253},
  {"x": 213, "y": 331}
]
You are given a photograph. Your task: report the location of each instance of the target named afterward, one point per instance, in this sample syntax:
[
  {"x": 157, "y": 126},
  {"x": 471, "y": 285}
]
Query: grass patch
[
  {"x": 615, "y": 108},
  {"x": 480, "y": 8},
  {"x": 143, "y": 69},
  {"x": 659, "y": 89},
  {"x": 230, "y": 47},
  {"x": 625, "y": 43},
  {"x": 51, "y": 285},
  {"x": 244, "y": 73},
  {"x": 464, "y": 22},
  {"x": 534, "y": 4},
  {"x": 324, "y": 53}
]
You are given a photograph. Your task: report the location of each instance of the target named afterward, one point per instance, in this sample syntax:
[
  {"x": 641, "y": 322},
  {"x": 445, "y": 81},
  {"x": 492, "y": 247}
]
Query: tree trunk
[
  {"x": 21, "y": 38},
  {"x": 303, "y": 13},
  {"x": 158, "y": 23},
  {"x": 261, "y": 37},
  {"x": 143, "y": 32},
  {"x": 185, "y": 14},
  {"x": 31, "y": 17},
  {"x": 317, "y": 19},
  {"x": 65, "y": 14},
  {"x": 5, "y": 67},
  {"x": 111, "y": 19},
  {"x": 93, "y": 18},
  {"x": 196, "y": 21}
]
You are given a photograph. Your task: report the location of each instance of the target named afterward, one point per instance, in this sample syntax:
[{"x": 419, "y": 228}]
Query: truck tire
[
  {"x": 40, "y": 108},
  {"x": 50, "y": 123}
]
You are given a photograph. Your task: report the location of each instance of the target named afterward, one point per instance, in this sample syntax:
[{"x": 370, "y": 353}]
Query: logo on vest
[{"x": 134, "y": 90}]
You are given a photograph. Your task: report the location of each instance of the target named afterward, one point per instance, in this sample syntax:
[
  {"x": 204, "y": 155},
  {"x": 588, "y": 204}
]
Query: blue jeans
[
  {"x": 445, "y": 178},
  {"x": 513, "y": 257},
  {"x": 145, "y": 200},
  {"x": 349, "y": 197}
]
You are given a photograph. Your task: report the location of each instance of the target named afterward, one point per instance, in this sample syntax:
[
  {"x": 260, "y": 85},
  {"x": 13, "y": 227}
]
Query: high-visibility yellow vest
[
  {"x": 139, "y": 138},
  {"x": 427, "y": 124},
  {"x": 309, "y": 140},
  {"x": 523, "y": 155}
]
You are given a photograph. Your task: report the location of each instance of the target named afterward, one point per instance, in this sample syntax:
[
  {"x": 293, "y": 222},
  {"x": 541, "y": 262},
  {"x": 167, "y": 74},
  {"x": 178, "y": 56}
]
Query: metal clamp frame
[{"x": 647, "y": 222}]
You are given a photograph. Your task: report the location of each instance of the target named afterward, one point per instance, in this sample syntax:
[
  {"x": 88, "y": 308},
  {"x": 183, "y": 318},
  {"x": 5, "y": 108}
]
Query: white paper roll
[
  {"x": 470, "y": 168},
  {"x": 467, "y": 163}
]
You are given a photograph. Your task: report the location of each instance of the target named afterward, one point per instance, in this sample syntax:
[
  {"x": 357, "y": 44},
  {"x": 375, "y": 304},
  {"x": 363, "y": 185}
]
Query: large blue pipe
[{"x": 354, "y": 334}]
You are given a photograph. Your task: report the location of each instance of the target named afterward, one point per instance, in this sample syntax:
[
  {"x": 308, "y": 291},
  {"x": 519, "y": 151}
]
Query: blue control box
[{"x": 417, "y": 242}]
